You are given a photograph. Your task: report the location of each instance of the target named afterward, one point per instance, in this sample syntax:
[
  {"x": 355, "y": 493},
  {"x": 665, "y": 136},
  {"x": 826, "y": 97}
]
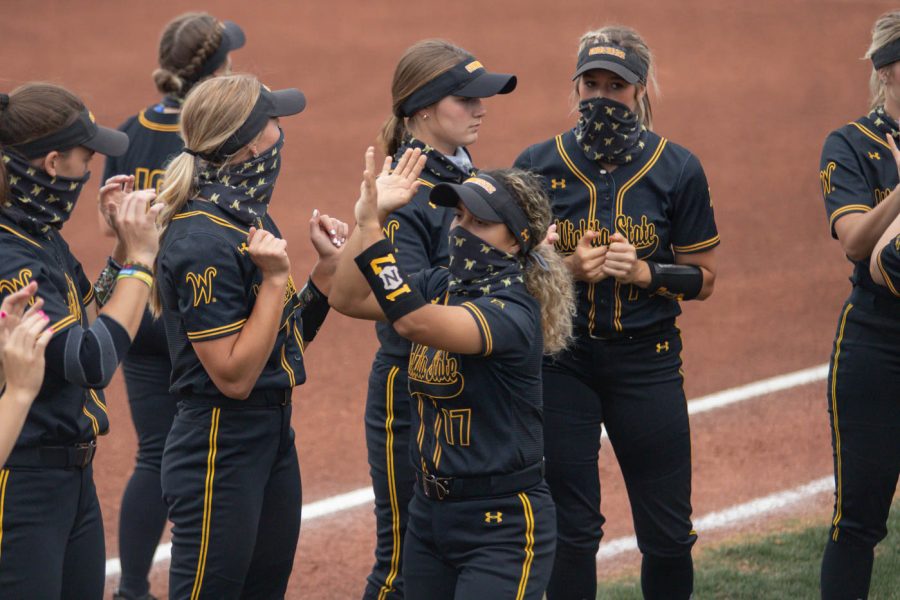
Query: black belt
[
  {"x": 256, "y": 399},
  {"x": 459, "y": 488},
  {"x": 78, "y": 456},
  {"x": 630, "y": 334}
]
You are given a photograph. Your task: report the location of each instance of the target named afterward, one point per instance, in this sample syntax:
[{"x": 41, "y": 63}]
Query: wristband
[
  {"x": 129, "y": 272},
  {"x": 313, "y": 306},
  {"x": 388, "y": 281},
  {"x": 106, "y": 281},
  {"x": 138, "y": 266},
  {"x": 676, "y": 282}
]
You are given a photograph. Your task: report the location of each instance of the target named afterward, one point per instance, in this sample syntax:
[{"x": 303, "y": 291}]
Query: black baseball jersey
[
  {"x": 888, "y": 261},
  {"x": 857, "y": 172},
  {"x": 660, "y": 203},
  {"x": 152, "y": 142},
  {"x": 208, "y": 285},
  {"x": 418, "y": 232},
  {"x": 63, "y": 413},
  {"x": 477, "y": 415}
]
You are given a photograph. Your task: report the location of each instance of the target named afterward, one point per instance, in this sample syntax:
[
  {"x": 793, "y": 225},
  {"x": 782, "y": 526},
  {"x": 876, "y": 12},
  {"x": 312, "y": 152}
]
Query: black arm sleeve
[
  {"x": 313, "y": 309},
  {"x": 89, "y": 357}
]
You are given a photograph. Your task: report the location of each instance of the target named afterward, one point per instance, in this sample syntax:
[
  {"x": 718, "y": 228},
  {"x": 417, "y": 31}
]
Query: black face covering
[
  {"x": 478, "y": 268},
  {"x": 38, "y": 201},
  {"x": 437, "y": 164},
  {"x": 609, "y": 132},
  {"x": 885, "y": 123},
  {"x": 243, "y": 190}
]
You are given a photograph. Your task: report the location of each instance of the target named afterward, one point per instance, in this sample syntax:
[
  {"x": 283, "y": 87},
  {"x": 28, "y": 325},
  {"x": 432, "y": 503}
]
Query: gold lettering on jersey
[
  {"x": 570, "y": 235},
  {"x": 642, "y": 236},
  {"x": 457, "y": 426},
  {"x": 202, "y": 285},
  {"x": 390, "y": 228},
  {"x": 880, "y": 194},
  {"x": 290, "y": 290},
  {"x": 825, "y": 177},
  {"x": 145, "y": 178},
  {"x": 442, "y": 368},
  {"x": 73, "y": 299},
  {"x": 493, "y": 517},
  {"x": 14, "y": 284}
]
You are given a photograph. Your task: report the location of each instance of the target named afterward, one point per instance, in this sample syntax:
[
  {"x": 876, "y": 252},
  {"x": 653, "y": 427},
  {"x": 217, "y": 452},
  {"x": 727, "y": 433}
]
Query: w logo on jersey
[
  {"x": 825, "y": 177},
  {"x": 9, "y": 286},
  {"x": 202, "y": 285}
]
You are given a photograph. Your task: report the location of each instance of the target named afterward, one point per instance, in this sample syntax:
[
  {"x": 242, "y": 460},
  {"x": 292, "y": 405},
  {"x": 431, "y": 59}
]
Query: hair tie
[
  {"x": 4, "y": 101},
  {"x": 187, "y": 150},
  {"x": 538, "y": 259}
]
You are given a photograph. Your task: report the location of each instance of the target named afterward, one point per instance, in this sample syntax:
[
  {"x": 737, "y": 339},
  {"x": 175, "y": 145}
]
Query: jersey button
[{"x": 603, "y": 171}]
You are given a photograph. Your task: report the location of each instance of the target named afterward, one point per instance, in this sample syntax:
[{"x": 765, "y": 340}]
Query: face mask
[
  {"x": 609, "y": 132},
  {"x": 478, "y": 268},
  {"x": 38, "y": 201},
  {"x": 243, "y": 190},
  {"x": 884, "y": 122},
  {"x": 440, "y": 165}
]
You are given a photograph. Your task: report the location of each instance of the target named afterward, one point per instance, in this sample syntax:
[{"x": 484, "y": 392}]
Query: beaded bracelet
[{"x": 138, "y": 266}]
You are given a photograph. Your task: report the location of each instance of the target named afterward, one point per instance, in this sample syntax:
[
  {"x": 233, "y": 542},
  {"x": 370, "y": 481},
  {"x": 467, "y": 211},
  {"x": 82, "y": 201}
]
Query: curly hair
[{"x": 550, "y": 283}]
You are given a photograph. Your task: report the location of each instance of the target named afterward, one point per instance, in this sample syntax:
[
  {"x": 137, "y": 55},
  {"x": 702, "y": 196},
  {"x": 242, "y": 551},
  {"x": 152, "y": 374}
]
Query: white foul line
[
  {"x": 363, "y": 496},
  {"x": 731, "y": 516}
]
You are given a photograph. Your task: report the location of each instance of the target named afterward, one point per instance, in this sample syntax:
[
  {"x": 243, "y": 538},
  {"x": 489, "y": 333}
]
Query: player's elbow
[
  {"x": 408, "y": 327},
  {"x": 709, "y": 285},
  {"x": 235, "y": 388}
]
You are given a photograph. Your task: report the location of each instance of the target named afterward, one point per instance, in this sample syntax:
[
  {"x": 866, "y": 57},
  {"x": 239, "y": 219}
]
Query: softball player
[
  {"x": 635, "y": 223},
  {"x": 859, "y": 182},
  {"x": 482, "y": 523},
  {"x": 192, "y": 47},
  {"x": 437, "y": 108},
  {"x": 49, "y": 505},
  {"x": 236, "y": 338}
]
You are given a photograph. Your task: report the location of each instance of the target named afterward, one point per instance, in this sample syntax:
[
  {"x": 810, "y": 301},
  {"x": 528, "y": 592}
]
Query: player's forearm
[
  {"x": 349, "y": 289},
  {"x": 449, "y": 328},
  {"x": 892, "y": 231},
  {"x": 127, "y": 303},
  {"x": 236, "y": 375},
  {"x": 860, "y": 234}
]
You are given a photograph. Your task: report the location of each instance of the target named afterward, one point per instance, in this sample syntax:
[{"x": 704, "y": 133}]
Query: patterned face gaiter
[
  {"x": 478, "y": 268},
  {"x": 437, "y": 164},
  {"x": 38, "y": 201},
  {"x": 885, "y": 123},
  {"x": 243, "y": 190},
  {"x": 609, "y": 132}
]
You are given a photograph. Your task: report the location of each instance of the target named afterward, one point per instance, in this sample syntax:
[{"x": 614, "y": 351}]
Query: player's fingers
[
  {"x": 15, "y": 303},
  {"x": 116, "y": 180},
  {"x": 40, "y": 345},
  {"x": 401, "y": 164},
  {"x": 250, "y": 235},
  {"x": 420, "y": 164},
  {"x": 410, "y": 165},
  {"x": 386, "y": 166},
  {"x": 129, "y": 184}
]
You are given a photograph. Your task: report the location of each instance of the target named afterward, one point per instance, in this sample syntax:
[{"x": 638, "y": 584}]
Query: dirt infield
[{"x": 751, "y": 88}]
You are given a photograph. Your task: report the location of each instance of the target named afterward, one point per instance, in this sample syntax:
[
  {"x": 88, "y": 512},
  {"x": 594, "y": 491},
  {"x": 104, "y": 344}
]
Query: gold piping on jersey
[
  {"x": 207, "y": 502},
  {"x": 697, "y": 247},
  {"x": 887, "y": 278},
  {"x": 483, "y": 325},
  {"x": 846, "y": 209},
  {"x": 427, "y": 184},
  {"x": 98, "y": 401},
  {"x": 194, "y": 336},
  {"x": 217, "y": 220},
  {"x": 89, "y": 297},
  {"x": 4, "y": 478},
  {"x": 287, "y": 366},
  {"x": 620, "y": 199},
  {"x": 529, "y": 544},
  {"x": 20, "y": 235},
  {"x": 63, "y": 323},
  {"x": 436, "y": 457},
  {"x": 94, "y": 424},
  {"x": 144, "y": 121},
  {"x": 870, "y": 134},
  {"x": 838, "y": 509},
  {"x": 392, "y": 486},
  {"x": 298, "y": 338}
]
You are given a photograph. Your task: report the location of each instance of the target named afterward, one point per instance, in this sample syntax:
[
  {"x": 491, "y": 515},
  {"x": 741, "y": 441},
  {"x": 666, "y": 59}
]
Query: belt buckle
[
  {"x": 89, "y": 448},
  {"x": 437, "y": 485}
]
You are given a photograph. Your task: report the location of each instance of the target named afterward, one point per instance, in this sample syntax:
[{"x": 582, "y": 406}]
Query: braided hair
[{"x": 186, "y": 44}]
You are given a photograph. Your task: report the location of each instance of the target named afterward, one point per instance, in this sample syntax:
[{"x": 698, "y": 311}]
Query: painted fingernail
[
  {"x": 42, "y": 313},
  {"x": 2, "y": 314},
  {"x": 315, "y": 212},
  {"x": 46, "y": 318},
  {"x": 332, "y": 231},
  {"x": 50, "y": 329}
]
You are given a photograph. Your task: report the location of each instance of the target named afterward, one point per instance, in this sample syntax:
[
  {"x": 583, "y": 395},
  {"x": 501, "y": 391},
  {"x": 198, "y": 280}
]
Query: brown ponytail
[
  {"x": 422, "y": 62},
  {"x": 186, "y": 44}
]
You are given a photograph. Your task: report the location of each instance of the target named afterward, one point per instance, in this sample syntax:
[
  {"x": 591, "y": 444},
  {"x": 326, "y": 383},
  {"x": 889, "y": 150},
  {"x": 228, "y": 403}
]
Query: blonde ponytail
[{"x": 212, "y": 113}]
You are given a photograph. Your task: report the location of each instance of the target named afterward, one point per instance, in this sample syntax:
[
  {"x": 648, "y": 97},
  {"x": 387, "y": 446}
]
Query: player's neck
[{"x": 892, "y": 108}]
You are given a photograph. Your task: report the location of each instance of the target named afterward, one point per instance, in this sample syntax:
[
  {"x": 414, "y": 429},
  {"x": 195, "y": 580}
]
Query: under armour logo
[
  {"x": 662, "y": 347},
  {"x": 875, "y": 155},
  {"x": 496, "y": 517},
  {"x": 558, "y": 183}
]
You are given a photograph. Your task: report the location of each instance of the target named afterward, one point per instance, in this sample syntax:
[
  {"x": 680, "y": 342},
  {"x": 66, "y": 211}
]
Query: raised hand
[
  {"x": 269, "y": 253},
  {"x": 327, "y": 234},
  {"x": 134, "y": 222},
  {"x": 113, "y": 193},
  {"x": 396, "y": 188}
]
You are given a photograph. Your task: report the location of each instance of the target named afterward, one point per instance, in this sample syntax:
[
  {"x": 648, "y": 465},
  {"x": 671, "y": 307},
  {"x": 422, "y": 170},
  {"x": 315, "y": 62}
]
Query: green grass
[{"x": 781, "y": 565}]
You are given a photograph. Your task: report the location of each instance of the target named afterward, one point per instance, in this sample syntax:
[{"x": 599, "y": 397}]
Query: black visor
[
  {"x": 232, "y": 39},
  {"x": 469, "y": 79},
  {"x": 488, "y": 200},
  {"x": 83, "y": 131},
  {"x": 280, "y": 103},
  {"x": 887, "y": 54},
  {"x": 610, "y": 57}
]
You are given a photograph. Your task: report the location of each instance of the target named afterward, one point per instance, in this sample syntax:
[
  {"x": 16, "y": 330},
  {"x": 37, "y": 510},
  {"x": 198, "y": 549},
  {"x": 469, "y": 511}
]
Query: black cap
[
  {"x": 488, "y": 200},
  {"x": 232, "y": 38},
  {"x": 612, "y": 57},
  {"x": 83, "y": 131},
  {"x": 887, "y": 54},
  {"x": 280, "y": 103},
  {"x": 468, "y": 79}
]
